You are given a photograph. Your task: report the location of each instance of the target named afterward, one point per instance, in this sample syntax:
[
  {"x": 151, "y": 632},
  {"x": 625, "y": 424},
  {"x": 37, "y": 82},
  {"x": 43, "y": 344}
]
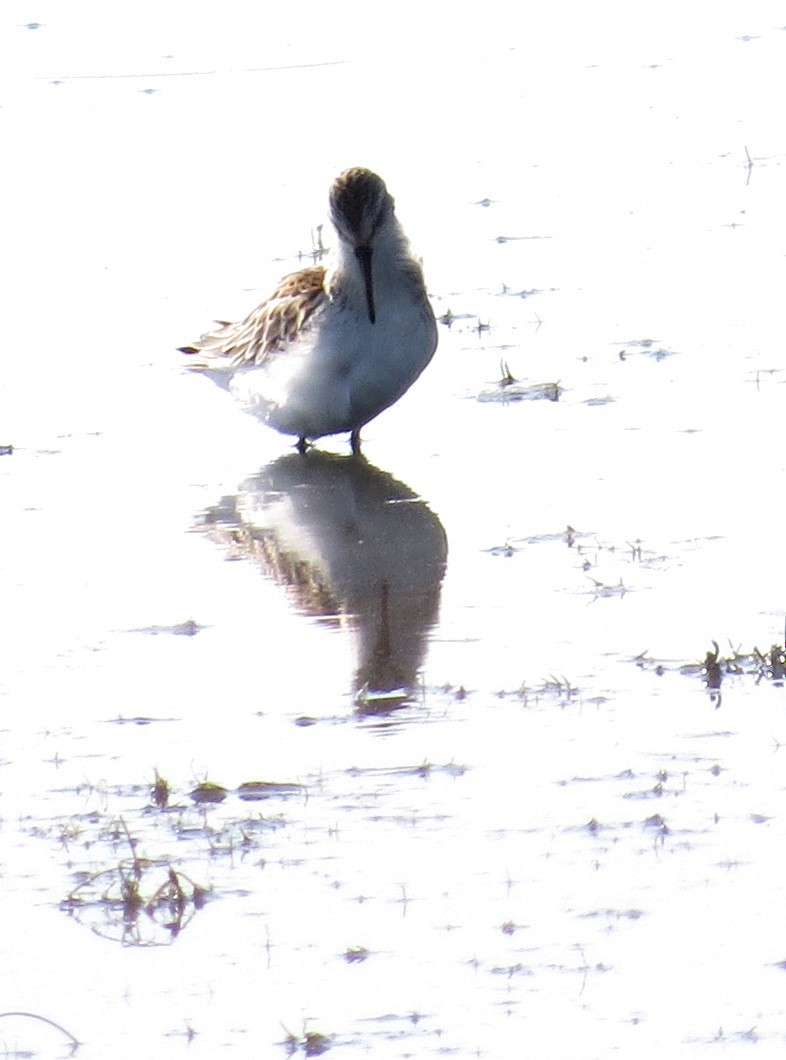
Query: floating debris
[
  {"x": 207, "y": 791},
  {"x": 189, "y": 628},
  {"x": 256, "y": 790},
  {"x": 517, "y": 239},
  {"x": 355, "y": 954},
  {"x": 645, "y": 347},
  {"x": 508, "y": 388}
]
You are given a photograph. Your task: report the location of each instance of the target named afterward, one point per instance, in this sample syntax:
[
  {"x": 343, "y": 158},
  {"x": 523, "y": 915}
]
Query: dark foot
[{"x": 354, "y": 441}]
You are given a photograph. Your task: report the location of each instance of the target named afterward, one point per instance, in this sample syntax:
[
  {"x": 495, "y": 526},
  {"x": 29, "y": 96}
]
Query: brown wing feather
[{"x": 278, "y": 320}]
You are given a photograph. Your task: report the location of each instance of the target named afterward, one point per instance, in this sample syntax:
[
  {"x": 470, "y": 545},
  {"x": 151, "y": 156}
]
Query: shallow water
[{"x": 505, "y": 812}]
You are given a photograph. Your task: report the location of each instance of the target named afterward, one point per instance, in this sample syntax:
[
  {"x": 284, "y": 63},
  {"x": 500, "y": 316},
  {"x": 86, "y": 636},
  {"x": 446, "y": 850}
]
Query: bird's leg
[
  {"x": 302, "y": 445},
  {"x": 354, "y": 441}
]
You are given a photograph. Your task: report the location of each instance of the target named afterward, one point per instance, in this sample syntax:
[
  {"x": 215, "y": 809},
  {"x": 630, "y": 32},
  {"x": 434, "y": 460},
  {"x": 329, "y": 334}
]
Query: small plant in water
[
  {"x": 769, "y": 665},
  {"x": 160, "y": 792},
  {"x": 139, "y": 902},
  {"x": 311, "y": 1042}
]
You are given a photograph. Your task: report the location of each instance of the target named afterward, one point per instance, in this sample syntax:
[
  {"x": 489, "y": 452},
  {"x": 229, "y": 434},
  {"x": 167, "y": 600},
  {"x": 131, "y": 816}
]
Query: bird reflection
[{"x": 350, "y": 545}]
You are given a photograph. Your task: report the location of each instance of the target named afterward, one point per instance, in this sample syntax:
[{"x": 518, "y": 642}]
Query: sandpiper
[{"x": 332, "y": 347}]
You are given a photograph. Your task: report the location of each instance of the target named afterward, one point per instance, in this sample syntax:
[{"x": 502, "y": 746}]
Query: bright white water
[{"x": 551, "y": 850}]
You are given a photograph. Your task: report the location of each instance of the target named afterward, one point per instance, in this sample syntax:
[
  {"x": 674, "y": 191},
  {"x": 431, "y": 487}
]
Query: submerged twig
[{"x": 45, "y": 1019}]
